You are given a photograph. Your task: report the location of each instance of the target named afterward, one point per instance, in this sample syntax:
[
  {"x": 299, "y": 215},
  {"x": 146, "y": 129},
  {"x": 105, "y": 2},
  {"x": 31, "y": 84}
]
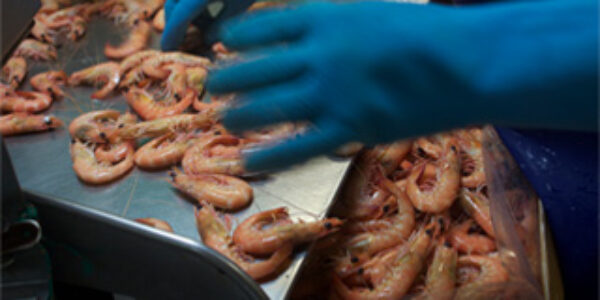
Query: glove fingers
[
  {"x": 272, "y": 68},
  {"x": 179, "y": 20},
  {"x": 169, "y": 6},
  {"x": 270, "y": 106},
  {"x": 262, "y": 28},
  {"x": 321, "y": 140}
]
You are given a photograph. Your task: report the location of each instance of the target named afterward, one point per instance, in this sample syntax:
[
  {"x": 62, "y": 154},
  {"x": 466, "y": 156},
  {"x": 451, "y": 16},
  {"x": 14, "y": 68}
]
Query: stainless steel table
[{"x": 89, "y": 229}]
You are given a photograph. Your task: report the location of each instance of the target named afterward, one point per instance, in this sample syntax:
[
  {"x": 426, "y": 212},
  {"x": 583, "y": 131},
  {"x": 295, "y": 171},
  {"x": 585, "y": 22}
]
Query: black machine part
[{"x": 17, "y": 16}]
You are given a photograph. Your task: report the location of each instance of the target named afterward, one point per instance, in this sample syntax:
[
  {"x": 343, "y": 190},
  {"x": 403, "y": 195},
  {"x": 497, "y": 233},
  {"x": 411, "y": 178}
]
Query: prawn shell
[
  {"x": 14, "y": 71},
  {"x": 198, "y": 159},
  {"x": 135, "y": 60},
  {"x": 159, "y": 20},
  {"x": 21, "y": 123},
  {"x": 108, "y": 72},
  {"x": 153, "y": 155},
  {"x": 156, "y": 223},
  {"x": 136, "y": 41},
  {"x": 152, "y": 67},
  {"x": 253, "y": 237},
  {"x": 165, "y": 125},
  {"x": 36, "y": 50},
  {"x": 222, "y": 191},
  {"x": 114, "y": 153},
  {"x": 87, "y": 126},
  {"x": 89, "y": 170},
  {"x": 406, "y": 265},
  {"x": 49, "y": 82},
  {"x": 145, "y": 106},
  {"x": 473, "y": 243},
  {"x": 446, "y": 188},
  {"x": 215, "y": 234},
  {"x": 26, "y": 102}
]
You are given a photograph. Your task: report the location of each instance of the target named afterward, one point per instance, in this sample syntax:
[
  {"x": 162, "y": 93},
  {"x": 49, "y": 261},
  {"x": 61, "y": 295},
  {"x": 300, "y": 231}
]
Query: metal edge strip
[{"x": 218, "y": 261}]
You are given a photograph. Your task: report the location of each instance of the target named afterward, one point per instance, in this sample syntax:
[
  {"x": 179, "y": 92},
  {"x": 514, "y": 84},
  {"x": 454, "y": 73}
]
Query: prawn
[
  {"x": 366, "y": 192},
  {"x": 477, "y": 206},
  {"x": 222, "y": 191},
  {"x": 74, "y": 18},
  {"x": 176, "y": 83},
  {"x": 64, "y": 17},
  {"x": 123, "y": 10},
  {"x": 132, "y": 77},
  {"x": 200, "y": 105},
  {"x": 219, "y": 154},
  {"x": 151, "y": 6},
  {"x": 136, "y": 59},
  {"x": 196, "y": 76},
  {"x": 390, "y": 156},
  {"x": 49, "y": 82},
  {"x": 221, "y": 52},
  {"x": 49, "y": 6},
  {"x": 270, "y": 134},
  {"x": 109, "y": 73},
  {"x": 152, "y": 66},
  {"x": 156, "y": 223},
  {"x": 491, "y": 271},
  {"x": 445, "y": 189},
  {"x": 429, "y": 146},
  {"x": 470, "y": 243},
  {"x": 20, "y": 123},
  {"x": 349, "y": 149},
  {"x": 169, "y": 124},
  {"x": 264, "y": 4},
  {"x": 473, "y": 174},
  {"x": 26, "y": 102},
  {"x": 215, "y": 234},
  {"x": 6, "y": 91},
  {"x": 163, "y": 151},
  {"x": 113, "y": 153},
  {"x": 77, "y": 28},
  {"x": 406, "y": 264},
  {"x": 144, "y": 104},
  {"x": 265, "y": 232},
  {"x": 136, "y": 41},
  {"x": 36, "y": 50},
  {"x": 372, "y": 270},
  {"x": 14, "y": 71},
  {"x": 91, "y": 9},
  {"x": 380, "y": 234},
  {"x": 216, "y": 102},
  {"x": 159, "y": 20},
  {"x": 42, "y": 31},
  {"x": 90, "y": 170},
  {"x": 441, "y": 275},
  {"x": 98, "y": 126}
]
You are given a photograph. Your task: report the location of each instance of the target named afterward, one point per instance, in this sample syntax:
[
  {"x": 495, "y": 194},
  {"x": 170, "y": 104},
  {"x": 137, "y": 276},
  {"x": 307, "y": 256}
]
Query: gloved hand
[
  {"x": 375, "y": 72},
  {"x": 178, "y": 16},
  {"x": 180, "y": 13}
]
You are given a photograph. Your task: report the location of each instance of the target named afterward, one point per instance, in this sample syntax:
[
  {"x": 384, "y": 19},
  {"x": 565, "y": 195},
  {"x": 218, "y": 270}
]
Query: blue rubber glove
[
  {"x": 376, "y": 72},
  {"x": 179, "y": 14}
]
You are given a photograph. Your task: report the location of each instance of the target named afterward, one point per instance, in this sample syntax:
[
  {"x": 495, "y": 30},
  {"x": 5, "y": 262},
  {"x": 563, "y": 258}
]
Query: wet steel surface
[{"x": 44, "y": 168}]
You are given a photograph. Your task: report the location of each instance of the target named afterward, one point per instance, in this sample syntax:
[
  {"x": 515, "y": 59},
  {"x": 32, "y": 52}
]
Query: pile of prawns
[
  {"x": 55, "y": 21},
  {"x": 161, "y": 88},
  {"x": 417, "y": 225}
]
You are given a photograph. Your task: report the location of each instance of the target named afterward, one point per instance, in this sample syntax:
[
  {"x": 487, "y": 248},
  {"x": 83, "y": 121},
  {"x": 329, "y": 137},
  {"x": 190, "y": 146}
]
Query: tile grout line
[
  {"x": 286, "y": 201},
  {"x": 135, "y": 183}
]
